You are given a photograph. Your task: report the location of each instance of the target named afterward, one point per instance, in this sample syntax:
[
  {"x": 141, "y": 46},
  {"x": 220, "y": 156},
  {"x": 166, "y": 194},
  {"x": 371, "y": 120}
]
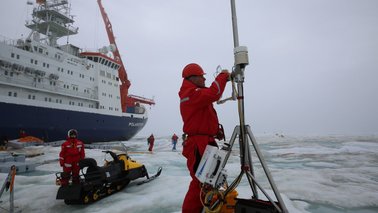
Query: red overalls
[
  {"x": 70, "y": 155},
  {"x": 201, "y": 125},
  {"x": 151, "y": 141}
]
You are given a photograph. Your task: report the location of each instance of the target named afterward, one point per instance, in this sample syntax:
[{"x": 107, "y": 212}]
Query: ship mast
[{"x": 52, "y": 19}]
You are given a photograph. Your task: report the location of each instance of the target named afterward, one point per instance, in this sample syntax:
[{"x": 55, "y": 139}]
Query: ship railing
[
  {"x": 10, "y": 80},
  {"x": 7, "y": 40},
  {"x": 69, "y": 28}
]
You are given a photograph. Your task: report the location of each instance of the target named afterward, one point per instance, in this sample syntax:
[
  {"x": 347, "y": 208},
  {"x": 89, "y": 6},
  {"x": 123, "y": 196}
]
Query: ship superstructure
[{"x": 47, "y": 88}]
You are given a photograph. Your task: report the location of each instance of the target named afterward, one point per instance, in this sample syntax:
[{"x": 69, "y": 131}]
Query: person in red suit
[
  {"x": 150, "y": 142},
  {"x": 72, "y": 151},
  {"x": 174, "y": 141},
  {"x": 201, "y": 124}
]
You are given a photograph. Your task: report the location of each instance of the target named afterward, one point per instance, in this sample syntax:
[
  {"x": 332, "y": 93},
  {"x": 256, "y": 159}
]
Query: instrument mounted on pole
[{"x": 211, "y": 172}]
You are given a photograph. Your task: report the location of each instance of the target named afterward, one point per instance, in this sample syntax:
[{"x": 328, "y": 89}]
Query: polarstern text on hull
[
  {"x": 136, "y": 124},
  {"x": 47, "y": 88}
]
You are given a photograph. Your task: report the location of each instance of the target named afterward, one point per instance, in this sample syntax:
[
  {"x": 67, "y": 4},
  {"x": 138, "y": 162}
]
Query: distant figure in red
[
  {"x": 174, "y": 141},
  {"x": 3, "y": 142},
  {"x": 70, "y": 155},
  {"x": 23, "y": 133},
  {"x": 150, "y": 142}
]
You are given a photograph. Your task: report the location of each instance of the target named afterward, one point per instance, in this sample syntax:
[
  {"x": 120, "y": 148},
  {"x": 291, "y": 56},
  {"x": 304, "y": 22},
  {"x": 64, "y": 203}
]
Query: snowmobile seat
[
  {"x": 87, "y": 162},
  {"x": 113, "y": 171},
  {"x": 93, "y": 173}
]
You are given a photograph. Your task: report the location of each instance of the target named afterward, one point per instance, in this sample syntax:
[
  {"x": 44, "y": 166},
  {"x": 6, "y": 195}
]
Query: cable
[{"x": 212, "y": 198}]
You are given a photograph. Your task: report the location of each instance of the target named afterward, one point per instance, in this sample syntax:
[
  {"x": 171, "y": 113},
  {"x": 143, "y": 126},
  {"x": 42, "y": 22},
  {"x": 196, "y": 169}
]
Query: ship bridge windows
[{"x": 102, "y": 61}]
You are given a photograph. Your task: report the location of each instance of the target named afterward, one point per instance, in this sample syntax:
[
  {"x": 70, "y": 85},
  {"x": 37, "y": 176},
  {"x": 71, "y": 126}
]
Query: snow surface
[{"x": 313, "y": 175}]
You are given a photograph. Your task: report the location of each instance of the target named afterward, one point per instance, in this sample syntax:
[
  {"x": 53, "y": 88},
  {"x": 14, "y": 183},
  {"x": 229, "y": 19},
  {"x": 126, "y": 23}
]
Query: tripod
[{"x": 243, "y": 131}]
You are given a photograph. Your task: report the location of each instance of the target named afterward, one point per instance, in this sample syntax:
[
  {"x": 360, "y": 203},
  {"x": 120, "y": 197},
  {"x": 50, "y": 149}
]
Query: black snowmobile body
[{"x": 97, "y": 182}]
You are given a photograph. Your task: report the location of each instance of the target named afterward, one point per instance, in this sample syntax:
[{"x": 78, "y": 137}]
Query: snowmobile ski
[{"x": 151, "y": 178}]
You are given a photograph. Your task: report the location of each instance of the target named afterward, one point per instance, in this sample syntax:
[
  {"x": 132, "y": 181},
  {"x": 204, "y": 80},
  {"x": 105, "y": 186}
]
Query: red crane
[{"x": 124, "y": 88}]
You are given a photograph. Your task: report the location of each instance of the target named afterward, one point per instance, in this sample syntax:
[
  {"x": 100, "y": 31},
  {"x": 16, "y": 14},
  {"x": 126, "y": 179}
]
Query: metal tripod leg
[
  {"x": 9, "y": 180},
  {"x": 266, "y": 170},
  {"x": 247, "y": 167}
]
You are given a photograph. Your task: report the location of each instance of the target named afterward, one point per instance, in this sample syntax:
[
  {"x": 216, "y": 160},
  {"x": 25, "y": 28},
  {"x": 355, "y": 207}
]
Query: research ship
[{"x": 47, "y": 88}]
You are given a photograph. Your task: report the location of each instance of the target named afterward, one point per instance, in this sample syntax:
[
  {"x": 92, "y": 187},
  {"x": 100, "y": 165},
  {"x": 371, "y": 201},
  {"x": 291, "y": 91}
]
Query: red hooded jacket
[
  {"x": 196, "y": 106},
  {"x": 72, "y": 151}
]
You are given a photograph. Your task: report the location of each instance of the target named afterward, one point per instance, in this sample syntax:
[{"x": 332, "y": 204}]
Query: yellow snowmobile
[{"x": 98, "y": 182}]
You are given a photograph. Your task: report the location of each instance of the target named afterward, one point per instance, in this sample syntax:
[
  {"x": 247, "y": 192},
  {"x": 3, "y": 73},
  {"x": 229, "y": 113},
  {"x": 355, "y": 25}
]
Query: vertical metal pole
[
  {"x": 245, "y": 133},
  {"x": 234, "y": 24},
  {"x": 239, "y": 78}
]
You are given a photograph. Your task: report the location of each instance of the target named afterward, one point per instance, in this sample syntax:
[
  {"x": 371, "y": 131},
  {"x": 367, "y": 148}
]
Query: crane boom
[
  {"x": 126, "y": 100},
  {"x": 125, "y": 83}
]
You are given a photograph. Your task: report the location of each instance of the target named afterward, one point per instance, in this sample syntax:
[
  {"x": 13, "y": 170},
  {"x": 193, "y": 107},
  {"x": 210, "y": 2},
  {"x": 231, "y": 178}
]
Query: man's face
[{"x": 198, "y": 80}]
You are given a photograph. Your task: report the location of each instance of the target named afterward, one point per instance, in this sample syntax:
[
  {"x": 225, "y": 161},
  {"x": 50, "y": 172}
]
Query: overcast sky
[{"x": 313, "y": 64}]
